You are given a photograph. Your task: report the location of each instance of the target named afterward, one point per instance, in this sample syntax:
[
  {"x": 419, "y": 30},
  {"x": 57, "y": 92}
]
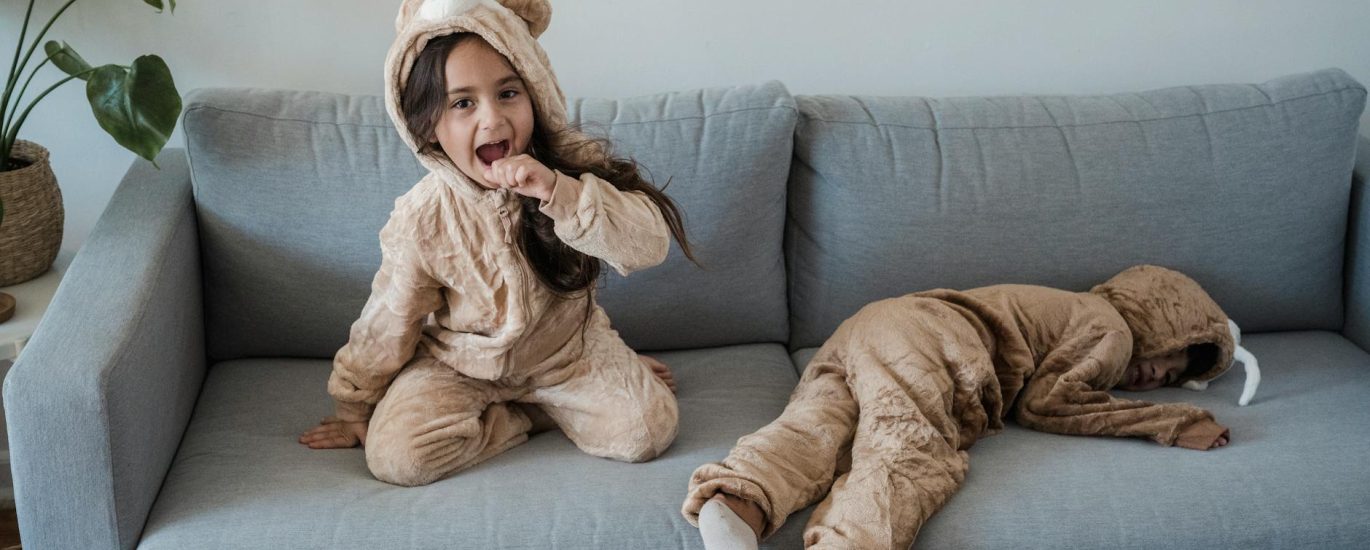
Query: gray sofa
[{"x": 158, "y": 406}]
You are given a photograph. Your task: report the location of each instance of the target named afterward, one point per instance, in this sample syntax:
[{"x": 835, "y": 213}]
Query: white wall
[{"x": 628, "y": 47}]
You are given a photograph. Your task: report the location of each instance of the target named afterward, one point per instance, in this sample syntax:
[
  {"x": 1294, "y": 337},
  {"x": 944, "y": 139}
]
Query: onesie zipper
[
  {"x": 507, "y": 223},
  {"x": 520, "y": 276}
]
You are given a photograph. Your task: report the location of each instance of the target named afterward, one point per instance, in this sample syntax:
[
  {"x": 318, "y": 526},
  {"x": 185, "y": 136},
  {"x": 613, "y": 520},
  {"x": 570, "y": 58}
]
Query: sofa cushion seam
[
  {"x": 1103, "y": 123},
  {"x": 331, "y": 123}
]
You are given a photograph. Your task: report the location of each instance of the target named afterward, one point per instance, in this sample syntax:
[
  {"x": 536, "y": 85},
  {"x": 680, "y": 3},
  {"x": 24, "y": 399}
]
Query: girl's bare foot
[{"x": 660, "y": 370}]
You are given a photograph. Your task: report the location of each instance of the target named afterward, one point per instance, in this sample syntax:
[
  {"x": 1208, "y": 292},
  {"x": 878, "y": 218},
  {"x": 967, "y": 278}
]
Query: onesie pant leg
[
  {"x": 788, "y": 464},
  {"x": 433, "y": 422},
  {"x": 902, "y": 471},
  {"x": 916, "y": 369},
  {"x": 608, "y": 402}
]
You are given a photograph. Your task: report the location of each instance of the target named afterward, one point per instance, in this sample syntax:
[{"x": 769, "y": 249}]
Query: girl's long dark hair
[{"x": 565, "y": 271}]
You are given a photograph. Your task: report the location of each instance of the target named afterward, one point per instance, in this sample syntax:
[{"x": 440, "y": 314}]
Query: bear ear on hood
[{"x": 536, "y": 13}]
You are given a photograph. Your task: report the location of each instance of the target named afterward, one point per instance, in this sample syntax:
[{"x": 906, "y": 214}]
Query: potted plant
[{"x": 136, "y": 104}]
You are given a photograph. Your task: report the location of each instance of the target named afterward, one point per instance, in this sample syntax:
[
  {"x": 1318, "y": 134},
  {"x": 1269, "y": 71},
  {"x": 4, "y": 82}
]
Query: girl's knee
[
  {"x": 662, "y": 423},
  {"x": 398, "y": 465},
  {"x": 659, "y": 432},
  {"x": 638, "y": 437},
  {"x": 412, "y": 459},
  {"x": 647, "y": 447}
]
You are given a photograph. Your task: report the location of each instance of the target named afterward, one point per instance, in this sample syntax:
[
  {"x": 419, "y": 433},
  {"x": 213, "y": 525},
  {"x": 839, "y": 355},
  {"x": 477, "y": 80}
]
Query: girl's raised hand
[
  {"x": 524, "y": 175},
  {"x": 333, "y": 433}
]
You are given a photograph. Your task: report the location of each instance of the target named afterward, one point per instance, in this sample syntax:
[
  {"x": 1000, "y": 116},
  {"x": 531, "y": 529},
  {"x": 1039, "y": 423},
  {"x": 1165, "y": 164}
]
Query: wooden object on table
[{"x": 6, "y": 307}]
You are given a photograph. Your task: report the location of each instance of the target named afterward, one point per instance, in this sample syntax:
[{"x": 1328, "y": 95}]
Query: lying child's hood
[
  {"x": 1169, "y": 312},
  {"x": 510, "y": 26}
]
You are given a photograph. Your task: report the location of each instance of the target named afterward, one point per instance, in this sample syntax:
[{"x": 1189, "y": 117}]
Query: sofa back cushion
[
  {"x": 1243, "y": 187},
  {"x": 292, "y": 189}
]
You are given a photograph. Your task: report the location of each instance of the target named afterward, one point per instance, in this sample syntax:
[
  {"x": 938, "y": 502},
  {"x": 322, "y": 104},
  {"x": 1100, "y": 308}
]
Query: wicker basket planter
[{"x": 31, "y": 233}]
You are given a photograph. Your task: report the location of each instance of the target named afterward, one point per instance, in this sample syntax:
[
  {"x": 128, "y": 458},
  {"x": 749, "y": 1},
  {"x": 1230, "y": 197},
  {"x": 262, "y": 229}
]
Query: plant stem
[
  {"x": 19, "y": 99},
  {"x": 44, "y": 32},
  {"x": 15, "y": 70},
  {"x": 8, "y": 141}
]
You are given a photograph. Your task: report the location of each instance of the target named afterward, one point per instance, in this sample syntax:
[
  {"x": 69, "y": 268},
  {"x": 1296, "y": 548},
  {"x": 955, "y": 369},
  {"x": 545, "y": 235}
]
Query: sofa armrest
[
  {"x": 99, "y": 399},
  {"x": 1357, "y": 326}
]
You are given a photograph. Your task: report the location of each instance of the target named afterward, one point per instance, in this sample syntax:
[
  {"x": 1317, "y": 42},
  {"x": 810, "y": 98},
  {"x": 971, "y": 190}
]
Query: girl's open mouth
[{"x": 491, "y": 152}]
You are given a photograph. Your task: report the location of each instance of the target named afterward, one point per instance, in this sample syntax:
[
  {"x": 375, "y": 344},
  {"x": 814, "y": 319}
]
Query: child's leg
[
  {"x": 918, "y": 371},
  {"x": 789, "y": 463},
  {"x": 434, "y": 421},
  {"x": 608, "y": 402},
  {"x": 892, "y": 489}
]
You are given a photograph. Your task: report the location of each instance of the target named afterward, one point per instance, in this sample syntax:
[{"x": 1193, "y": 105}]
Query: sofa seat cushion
[
  {"x": 1294, "y": 476},
  {"x": 240, "y": 479}
]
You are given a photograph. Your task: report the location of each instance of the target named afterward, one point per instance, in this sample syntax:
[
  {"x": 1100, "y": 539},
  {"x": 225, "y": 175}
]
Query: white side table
[{"x": 33, "y": 297}]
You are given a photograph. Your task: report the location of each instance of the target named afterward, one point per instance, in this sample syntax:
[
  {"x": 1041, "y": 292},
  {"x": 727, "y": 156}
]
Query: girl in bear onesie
[{"x": 482, "y": 322}]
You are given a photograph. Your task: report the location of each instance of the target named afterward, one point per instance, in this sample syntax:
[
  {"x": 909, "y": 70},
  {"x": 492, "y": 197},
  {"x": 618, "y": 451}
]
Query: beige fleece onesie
[
  {"x": 458, "y": 329},
  {"x": 882, "y": 417}
]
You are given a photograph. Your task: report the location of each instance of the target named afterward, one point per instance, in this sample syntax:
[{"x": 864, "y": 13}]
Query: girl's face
[
  {"x": 489, "y": 115},
  {"x": 1149, "y": 374}
]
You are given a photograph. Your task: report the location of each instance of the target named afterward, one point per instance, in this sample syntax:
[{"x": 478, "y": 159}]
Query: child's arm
[
  {"x": 1068, "y": 395},
  {"x": 623, "y": 228},
  {"x": 384, "y": 337}
]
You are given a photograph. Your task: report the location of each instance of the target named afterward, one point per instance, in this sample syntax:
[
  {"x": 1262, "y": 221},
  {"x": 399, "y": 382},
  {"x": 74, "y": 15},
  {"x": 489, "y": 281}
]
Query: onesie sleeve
[
  {"x": 384, "y": 337},
  {"x": 623, "y": 228},
  {"x": 1069, "y": 394}
]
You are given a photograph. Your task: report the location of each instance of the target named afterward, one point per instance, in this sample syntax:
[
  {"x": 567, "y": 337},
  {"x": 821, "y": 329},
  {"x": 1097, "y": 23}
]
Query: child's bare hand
[
  {"x": 333, "y": 433},
  {"x": 660, "y": 370},
  {"x": 524, "y": 175},
  {"x": 1203, "y": 436}
]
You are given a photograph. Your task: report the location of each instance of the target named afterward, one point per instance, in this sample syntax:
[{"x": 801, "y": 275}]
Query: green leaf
[
  {"x": 158, "y": 4},
  {"x": 65, "y": 58},
  {"x": 138, "y": 105}
]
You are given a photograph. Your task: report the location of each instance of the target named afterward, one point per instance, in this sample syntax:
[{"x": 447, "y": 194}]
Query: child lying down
[{"x": 882, "y": 417}]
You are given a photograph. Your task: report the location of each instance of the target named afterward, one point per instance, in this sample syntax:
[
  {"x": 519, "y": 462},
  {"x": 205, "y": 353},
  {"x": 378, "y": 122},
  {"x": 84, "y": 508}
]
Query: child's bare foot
[{"x": 660, "y": 370}]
